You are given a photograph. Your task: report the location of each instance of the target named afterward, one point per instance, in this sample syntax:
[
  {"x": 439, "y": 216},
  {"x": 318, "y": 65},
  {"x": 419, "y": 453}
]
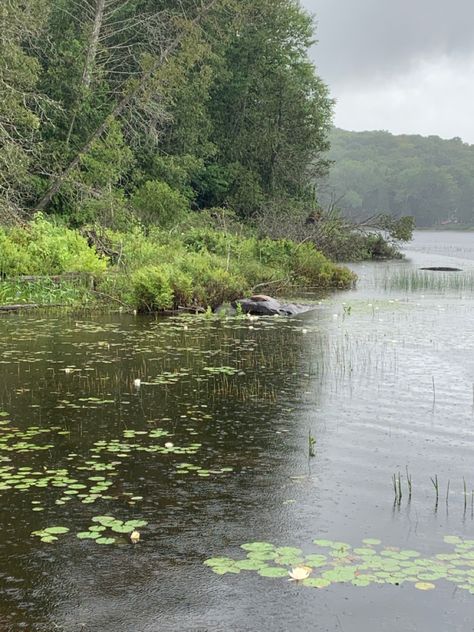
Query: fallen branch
[
  {"x": 112, "y": 298},
  {"x": 284, "y": 282},
  {"x": 16, "y": 308}
]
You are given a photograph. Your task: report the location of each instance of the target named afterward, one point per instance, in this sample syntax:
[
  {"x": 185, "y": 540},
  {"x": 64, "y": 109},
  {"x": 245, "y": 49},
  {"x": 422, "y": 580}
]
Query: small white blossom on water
[{"x": 299, "y": 573}]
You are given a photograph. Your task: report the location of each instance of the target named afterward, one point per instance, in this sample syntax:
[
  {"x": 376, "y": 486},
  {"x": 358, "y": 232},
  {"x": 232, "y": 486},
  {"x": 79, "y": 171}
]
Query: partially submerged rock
[
  {"x": 442, "y": 269},
  {"x": 261, "y": 305}
]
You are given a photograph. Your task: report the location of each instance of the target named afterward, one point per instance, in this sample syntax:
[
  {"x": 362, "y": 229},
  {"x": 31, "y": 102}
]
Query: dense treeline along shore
[
  {"x": 429, "y": 178},
  {"x": 169, "y": 150}
]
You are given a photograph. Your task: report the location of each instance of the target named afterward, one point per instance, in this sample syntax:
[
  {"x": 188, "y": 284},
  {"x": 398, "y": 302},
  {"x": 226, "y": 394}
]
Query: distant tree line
[{"x": 376, "y": 172}]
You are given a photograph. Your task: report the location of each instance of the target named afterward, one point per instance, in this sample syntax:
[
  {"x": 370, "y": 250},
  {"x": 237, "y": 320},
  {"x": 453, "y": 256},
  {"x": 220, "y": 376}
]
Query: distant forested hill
[{"x": 377, "y": 172}]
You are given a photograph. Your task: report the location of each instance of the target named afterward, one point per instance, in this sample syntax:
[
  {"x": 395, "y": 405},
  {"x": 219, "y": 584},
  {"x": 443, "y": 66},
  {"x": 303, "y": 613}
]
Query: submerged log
[
  {"x": 20, "y": 306},
  {"x": 16, "y": 308}
]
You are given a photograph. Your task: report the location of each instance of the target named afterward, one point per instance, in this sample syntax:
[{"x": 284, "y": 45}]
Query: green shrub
[
  {"x": 275, "y": 251},
  {"x": 157, "y": 203},
  {"x": 312, "y": 268},
  {"x": 14, "y": 260},
  {"x": 178, "y": 172},
  {"x": 159, "y": 269},
  {"x": 377, "y": 247},
  {"x": 44, "y": 248},
  {"x": 161, "y": 287},
  {"x": 109, "y": 210},
  {"x": 213, "y": 284},
  {"x": 152, "y": 289},
  {"x": 257, "y": 274},
  {"x": 197, "y": 240},
  {"x": 136, "y": 248}
]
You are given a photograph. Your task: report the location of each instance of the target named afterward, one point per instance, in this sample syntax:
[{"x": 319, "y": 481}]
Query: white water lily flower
[
  {"x": 169, "y": 445},
  {"x": 135, "y": 536},
  {"x": 299, "y": 573},
  {"x": 137, "y": 383}
]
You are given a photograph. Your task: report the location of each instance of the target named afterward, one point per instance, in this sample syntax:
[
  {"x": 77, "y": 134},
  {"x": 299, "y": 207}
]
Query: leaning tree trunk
[{"x": 118, "y": 109}]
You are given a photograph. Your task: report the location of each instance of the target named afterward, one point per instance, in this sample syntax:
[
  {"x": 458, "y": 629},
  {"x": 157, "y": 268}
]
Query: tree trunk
[
  {"x": 119, "y": 107},
  {"x": 89, "y": 63},
  {"x": 93, "y": 43}
]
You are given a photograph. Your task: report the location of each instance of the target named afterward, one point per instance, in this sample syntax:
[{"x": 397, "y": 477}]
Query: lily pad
[
  {"x": 56, "y": 530},
  {"x": 250, "y": 565},
  {"x": 316, "y": 582},
  {"x": 135, "y": 524},
  {"x": 88, "y": 535},
  {"x": 258, "y": 546},
  {"x": 218, "y": 561},
  {"x": 324, "y": 543}
]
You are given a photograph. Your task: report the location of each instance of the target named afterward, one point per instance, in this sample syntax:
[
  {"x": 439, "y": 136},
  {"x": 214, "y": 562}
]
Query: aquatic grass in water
[
  {"x": 411, "y": 280},
  {"x": 46, "y": 292},
  {"x": 363, "y": 566}
]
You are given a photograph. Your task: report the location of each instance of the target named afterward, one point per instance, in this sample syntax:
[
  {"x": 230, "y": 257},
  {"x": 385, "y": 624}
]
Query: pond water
[{"x": 211, "y": 451}]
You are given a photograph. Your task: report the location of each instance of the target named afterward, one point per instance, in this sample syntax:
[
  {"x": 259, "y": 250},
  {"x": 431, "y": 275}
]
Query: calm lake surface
[{"x": 383, "y": 379}]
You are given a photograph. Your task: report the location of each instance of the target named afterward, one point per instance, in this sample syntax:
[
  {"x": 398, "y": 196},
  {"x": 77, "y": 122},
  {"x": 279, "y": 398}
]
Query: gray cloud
[
  {"x": 406, "y": 66},
  {"x": 360, "y": 38}
]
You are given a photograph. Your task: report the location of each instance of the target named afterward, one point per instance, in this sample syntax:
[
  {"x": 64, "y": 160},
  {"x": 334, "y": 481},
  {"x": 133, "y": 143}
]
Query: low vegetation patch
[{"x": 154, "y": 269}]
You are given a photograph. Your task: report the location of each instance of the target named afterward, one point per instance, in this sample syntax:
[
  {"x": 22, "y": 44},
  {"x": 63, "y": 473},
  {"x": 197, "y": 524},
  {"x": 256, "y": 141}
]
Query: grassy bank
[{"x": 196, "y": 267}]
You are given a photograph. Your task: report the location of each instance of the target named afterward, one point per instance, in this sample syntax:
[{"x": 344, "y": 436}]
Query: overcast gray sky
[{"x": 406, "y": 66}]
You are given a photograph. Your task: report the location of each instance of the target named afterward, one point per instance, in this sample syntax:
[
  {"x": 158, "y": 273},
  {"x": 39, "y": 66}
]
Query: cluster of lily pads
[
  {"x": 88, "y": 478},
  {"x": 168, "y": 377},
  {"x": 338, "y": 562},
  {"x": 50, "y": 534},
  {"x": 102, "y": 524},
  {"x": 188, "y": 468},
  {"x": 99, "y": 531},
  {"x": 97, "y": 485},
  {"x": 84, "y": 402},
  {"x": 222, "y": 370},
  {"x": 124, "y": 448},
  {"x": 16, "y": 440},
  {"x": 25, "y": 478}
]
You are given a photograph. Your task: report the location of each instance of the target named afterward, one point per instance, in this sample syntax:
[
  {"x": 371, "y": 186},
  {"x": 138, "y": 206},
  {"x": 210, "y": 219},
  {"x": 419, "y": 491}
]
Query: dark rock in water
[
  {"x": 442, "y": 269},
  {"x": 262, "y": 305}
]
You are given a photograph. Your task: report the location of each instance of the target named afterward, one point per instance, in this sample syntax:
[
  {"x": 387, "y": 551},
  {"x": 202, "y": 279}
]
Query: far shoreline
[{"x": 452, "y": 228}]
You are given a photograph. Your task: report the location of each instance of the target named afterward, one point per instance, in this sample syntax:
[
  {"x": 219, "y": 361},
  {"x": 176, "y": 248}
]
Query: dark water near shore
[{"x": 382, "y": 376}]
